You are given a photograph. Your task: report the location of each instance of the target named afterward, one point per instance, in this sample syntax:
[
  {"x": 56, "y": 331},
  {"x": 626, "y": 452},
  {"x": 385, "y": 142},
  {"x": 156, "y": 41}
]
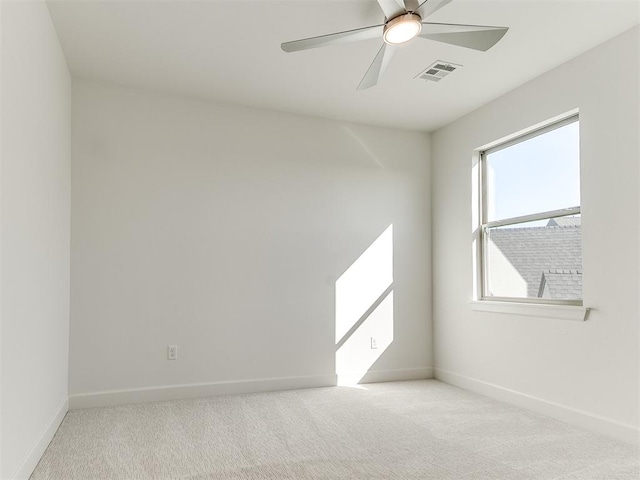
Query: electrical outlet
[
  {"x": 374, "y": 343},
  {"x": 172, "y": 352}
]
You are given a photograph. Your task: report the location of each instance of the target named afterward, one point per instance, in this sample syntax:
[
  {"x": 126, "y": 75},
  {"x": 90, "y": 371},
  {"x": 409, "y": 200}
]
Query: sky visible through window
[{"x": 537, "y": 175}]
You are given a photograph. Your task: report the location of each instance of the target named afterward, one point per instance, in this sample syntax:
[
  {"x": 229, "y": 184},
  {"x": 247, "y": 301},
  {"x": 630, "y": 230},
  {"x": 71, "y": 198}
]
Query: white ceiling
[{"x": 189, "y": 48}]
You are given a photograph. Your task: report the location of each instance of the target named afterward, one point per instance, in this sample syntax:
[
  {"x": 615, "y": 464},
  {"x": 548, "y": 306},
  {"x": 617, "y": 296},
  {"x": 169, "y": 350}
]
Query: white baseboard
[
  {"x": 30, "y": 461},
  {"x": 573, "y": 416},
  {"x": 379, "y": 376},
  {"x": 177, "y": 392},
  {"x": 194, "y": 390}
]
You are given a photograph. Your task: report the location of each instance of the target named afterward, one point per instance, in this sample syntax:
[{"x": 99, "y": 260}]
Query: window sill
[{"x": 564, "y": 312}]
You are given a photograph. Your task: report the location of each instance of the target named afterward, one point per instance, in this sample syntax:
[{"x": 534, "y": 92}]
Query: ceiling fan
[{"x": 403, "y": 22}]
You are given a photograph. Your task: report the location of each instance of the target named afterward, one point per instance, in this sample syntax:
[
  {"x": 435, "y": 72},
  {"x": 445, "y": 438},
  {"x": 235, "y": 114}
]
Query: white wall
[
  {"x": 35, "y": 212},
  {"x": 584, "y": 371},
  {"x": 224, "y": 230}
]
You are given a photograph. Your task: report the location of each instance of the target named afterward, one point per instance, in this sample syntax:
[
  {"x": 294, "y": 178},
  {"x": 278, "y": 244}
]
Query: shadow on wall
[{"x": 364, "y": 310}]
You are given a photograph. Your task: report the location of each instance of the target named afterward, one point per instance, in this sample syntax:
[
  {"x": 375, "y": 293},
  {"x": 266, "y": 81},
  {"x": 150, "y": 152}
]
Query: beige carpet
[{"x": 402, "y": 430}]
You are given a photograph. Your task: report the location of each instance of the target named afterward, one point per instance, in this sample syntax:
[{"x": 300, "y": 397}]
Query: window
[{"x": 530, "y": 242}]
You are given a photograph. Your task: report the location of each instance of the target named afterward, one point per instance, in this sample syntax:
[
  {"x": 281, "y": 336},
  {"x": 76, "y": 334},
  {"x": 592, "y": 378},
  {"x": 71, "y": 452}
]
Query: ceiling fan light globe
[{"x": 402, "y": 29}]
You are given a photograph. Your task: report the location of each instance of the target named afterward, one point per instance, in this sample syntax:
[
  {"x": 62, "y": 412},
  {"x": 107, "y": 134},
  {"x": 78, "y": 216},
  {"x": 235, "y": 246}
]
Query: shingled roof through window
[
  {"x": 561, "y": 284},
  {"x": 548, "y": 258}
]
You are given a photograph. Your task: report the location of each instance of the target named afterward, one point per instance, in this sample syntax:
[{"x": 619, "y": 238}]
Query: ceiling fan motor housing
[{"x": 402, "y": 28}]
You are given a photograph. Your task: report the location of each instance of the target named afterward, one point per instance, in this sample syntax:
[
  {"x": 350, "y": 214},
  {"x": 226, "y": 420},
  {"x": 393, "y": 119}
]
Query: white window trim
[
  {"x": 563, "y": 309},
  {"x": 546, "y": 310}
]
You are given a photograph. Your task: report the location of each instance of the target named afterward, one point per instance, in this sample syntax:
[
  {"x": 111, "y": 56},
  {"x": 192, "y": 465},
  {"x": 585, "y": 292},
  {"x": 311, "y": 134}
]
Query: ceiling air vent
[{"x": 437, "y": 71}]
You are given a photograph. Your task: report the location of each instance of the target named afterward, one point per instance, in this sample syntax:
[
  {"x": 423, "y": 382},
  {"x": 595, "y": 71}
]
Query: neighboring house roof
[
  {"x": 564, "y": 222},
  {"x": 542, "y": 255},
  {"x": 561, "y": 284}
]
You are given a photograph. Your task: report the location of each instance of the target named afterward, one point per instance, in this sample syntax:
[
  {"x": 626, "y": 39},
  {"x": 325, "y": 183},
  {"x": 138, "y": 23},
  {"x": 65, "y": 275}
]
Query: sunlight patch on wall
[
  {"x": 355, "y": 356},
  {"x": 364, "y": 310},
  {"x": 364, "y": 281}
]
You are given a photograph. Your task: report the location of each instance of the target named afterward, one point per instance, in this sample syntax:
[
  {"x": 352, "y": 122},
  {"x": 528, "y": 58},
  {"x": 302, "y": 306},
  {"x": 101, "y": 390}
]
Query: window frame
[{"x": 484, "y": 225}]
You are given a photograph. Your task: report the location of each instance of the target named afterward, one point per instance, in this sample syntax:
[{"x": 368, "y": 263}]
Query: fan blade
[
  {"x": 378, "y": 66},
  {"x": 478, "y": 37},
  {"x": 411, "y": 5},
  {"x": 392, "y": 8},
  {"x": 427, "y": 7},
  {"x": 366, "y": 33}
]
